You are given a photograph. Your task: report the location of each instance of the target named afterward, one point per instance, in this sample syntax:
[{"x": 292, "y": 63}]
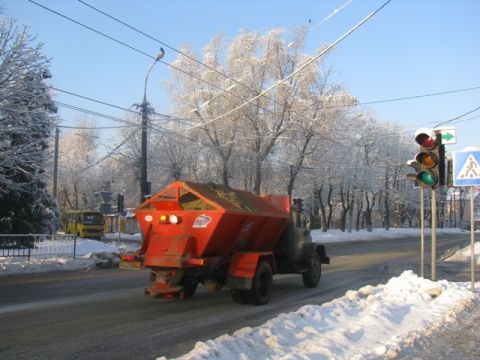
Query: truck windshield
[{"x": 92, "y": 219}]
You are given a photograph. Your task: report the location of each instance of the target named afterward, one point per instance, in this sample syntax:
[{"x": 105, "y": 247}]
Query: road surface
[{"x": 104, "y": 314}]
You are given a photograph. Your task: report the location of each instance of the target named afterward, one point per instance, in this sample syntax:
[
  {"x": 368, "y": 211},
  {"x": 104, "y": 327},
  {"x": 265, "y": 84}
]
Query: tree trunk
[
  {"x": 330, "y": 206},
  {"x": 359, "y": 211},
  {"x": 321, "y": 207},
  {"x": 386, "y": 202},
  {"x": 368, "y": 210},
  {"x": 258, "y": 177}
]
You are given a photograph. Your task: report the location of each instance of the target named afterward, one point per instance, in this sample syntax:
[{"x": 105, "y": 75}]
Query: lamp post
[{"x": 144, "y": 185}]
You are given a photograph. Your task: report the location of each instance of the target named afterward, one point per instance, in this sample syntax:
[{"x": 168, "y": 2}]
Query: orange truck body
[{"x": 208, "y": 234}]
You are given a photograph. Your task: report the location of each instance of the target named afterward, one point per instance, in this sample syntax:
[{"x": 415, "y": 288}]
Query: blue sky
[{"x": 410, "y": 48}]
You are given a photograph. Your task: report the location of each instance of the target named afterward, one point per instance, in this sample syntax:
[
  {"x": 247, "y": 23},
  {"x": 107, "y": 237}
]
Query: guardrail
[{"x": 28, "y": 245}]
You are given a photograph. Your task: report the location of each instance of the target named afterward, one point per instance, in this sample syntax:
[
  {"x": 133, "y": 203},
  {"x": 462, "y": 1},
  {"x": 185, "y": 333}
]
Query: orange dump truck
[{"x": 205, "y": 233}]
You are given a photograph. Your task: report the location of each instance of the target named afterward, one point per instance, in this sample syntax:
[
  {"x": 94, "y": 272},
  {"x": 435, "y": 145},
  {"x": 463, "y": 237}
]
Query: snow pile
[
  {"x": 89, "y": 254},
  {"x": 373, "y": 322},
  {"x": 464, "y": 255},
  {"x": 336, "y": 236}
]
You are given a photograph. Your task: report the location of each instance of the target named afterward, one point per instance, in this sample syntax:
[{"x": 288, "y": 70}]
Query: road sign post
[
  {"x": 422, "y": 231},
  {"x": 466, "y": 172}
]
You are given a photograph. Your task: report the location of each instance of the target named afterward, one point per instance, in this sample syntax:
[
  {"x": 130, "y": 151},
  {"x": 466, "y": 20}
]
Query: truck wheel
[
  {"x": 311, "y": 278},
  {"x": 239, "y": 296},
  {"x": 189, "y": 286},
  {"x": 262, "y": 284}
]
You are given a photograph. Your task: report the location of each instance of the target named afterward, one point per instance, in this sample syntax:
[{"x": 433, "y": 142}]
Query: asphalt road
[{"x": 104, "y": 314}]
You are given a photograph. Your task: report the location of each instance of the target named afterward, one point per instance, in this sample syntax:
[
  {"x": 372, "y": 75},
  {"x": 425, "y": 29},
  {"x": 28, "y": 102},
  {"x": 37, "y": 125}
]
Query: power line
[
  {"x": 185, "y": 54},
  {"x": 126, "y": 45},
  {"x": 332, "y": 14},
  {"x": 309, "y": 62},
  {"x": 458, "y": 117},
  {"x": 103, "y": 102},
  {"x": 226, "y": 91},
  {"x": 94, "y": 113},
  {"x": 107, "y": 156},
  {"x": 95, "y": 127},
  {"x": 161, "y": 42},
  {"x": 419, "y": 96}
]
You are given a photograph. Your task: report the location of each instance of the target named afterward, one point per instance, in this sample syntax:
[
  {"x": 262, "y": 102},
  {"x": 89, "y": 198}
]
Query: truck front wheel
[
  {"x": 311, "y": 278},
  {"x": 262, "y": 284}
]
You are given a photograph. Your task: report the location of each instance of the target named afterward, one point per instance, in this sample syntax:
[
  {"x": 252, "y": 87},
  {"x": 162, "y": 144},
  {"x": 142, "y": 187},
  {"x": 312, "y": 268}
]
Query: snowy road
[{"x": 104, "y": 314}]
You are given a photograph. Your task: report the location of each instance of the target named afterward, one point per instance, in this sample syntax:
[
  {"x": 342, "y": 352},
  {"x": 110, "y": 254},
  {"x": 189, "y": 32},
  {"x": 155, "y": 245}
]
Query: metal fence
[{"x": 29, "y": 245}]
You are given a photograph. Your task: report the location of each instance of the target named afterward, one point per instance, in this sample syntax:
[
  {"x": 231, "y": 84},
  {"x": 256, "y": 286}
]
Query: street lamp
[{"x": 144, "y": 185}]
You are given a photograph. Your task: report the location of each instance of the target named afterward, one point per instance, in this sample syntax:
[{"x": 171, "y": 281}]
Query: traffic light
[{"x": 429, "y": 163}]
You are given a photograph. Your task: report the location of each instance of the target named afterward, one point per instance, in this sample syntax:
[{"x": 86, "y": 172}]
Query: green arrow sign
[{"x": 449, "y": 135}]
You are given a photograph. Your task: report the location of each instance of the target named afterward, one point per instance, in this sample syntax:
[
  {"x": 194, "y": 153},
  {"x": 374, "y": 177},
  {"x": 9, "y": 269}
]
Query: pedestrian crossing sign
[{"x": 466, "y": 168}]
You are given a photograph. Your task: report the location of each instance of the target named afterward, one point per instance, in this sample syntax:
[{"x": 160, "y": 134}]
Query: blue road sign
[{"x": 466, "y": 168}]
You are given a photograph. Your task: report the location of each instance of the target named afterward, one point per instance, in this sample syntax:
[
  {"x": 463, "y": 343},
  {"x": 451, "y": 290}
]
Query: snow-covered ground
[
  {"x": 89, "y": 254},
  {"x": 92, "y": 254},
  {"x": 404, "y": 318},
  {"x": 371, "y": 323}
]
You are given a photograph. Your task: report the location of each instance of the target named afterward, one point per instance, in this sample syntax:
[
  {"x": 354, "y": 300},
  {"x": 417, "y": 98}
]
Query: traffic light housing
[{"x": 429, "y": 162}]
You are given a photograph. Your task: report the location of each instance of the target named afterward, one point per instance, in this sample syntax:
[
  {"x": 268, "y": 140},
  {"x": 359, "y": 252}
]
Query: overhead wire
[
  {"x": 122, "y": 43},
  {"x": 302, "y": 67},
  {"x": 102, "y": 159},
  {"x": 126, "y": 45}
]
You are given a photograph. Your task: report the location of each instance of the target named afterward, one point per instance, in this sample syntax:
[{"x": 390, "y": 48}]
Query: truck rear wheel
[
  {"x": 311, "y": 278},
  {"x": 239, "y": 296},
  {"x": 189, "y": 286},
  {"x": 262, "y": 284}
]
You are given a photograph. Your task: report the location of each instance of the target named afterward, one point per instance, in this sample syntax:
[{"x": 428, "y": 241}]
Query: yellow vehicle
[{"x": 84, "y": 223}]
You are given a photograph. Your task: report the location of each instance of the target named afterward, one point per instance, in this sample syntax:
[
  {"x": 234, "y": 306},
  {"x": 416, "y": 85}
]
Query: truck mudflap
[{"x": 171, "y": 284}]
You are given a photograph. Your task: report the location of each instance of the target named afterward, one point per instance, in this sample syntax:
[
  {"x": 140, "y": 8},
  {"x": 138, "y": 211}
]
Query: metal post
[
  {"x": 55, "y": 174},
  {"x": 434, "y": 233},
  {"x": 75, "y": 239},
  {"x": 55, "y": 163},
  {"x": 422, "y": 232},
  {"x": 143, "y": 162},
  {"x": 144, "y": 188},
  {"x": 472, "y": 240}
]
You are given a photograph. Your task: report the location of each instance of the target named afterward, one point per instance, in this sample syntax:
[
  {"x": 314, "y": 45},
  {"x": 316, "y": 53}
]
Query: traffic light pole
[
  {"x": 472, "y": 239},
  {"x": 434, "y": 233},
  {"x": 422, "y": 232}
]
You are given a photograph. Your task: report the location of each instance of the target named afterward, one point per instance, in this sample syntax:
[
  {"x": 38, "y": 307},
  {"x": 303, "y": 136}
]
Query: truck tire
[
  {"x": 239, "y": 296},
  {"x": 262, "y": 284},
  {"x": 189, "y": 286},
  {"x": 311, "y": 278}
]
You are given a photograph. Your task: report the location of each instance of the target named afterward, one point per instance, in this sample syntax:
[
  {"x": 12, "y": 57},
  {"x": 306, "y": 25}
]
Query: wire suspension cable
[{"x": 315, "y": 58}]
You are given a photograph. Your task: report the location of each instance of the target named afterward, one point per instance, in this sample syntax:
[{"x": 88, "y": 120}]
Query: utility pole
[
  {"x": 55, "y": 163},
  {"x": 144, "y": 184},
  {"x": 55, "y": 175}
]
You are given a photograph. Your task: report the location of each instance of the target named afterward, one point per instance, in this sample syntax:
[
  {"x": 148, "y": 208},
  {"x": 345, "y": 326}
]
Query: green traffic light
[{"x": 427, "y": 178}]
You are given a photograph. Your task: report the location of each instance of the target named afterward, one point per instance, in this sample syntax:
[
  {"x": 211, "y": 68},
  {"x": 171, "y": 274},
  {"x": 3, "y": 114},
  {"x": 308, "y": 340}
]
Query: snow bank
[
  {"x": 336, "y": 236},
  {"x": 90, "y": 254},
  {"x": 369, "y": 323}
]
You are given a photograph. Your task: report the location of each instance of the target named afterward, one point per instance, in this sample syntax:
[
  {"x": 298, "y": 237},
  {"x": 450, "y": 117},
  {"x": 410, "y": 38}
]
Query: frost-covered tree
[
  {"x": 79, "y": 170},
  {"x": 26, "y": 123},
  {"x": 244, "y": 130}
]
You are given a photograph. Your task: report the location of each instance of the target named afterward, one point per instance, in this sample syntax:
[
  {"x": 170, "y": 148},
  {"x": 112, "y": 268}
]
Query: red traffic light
[{"x": 426, "y": 138}]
